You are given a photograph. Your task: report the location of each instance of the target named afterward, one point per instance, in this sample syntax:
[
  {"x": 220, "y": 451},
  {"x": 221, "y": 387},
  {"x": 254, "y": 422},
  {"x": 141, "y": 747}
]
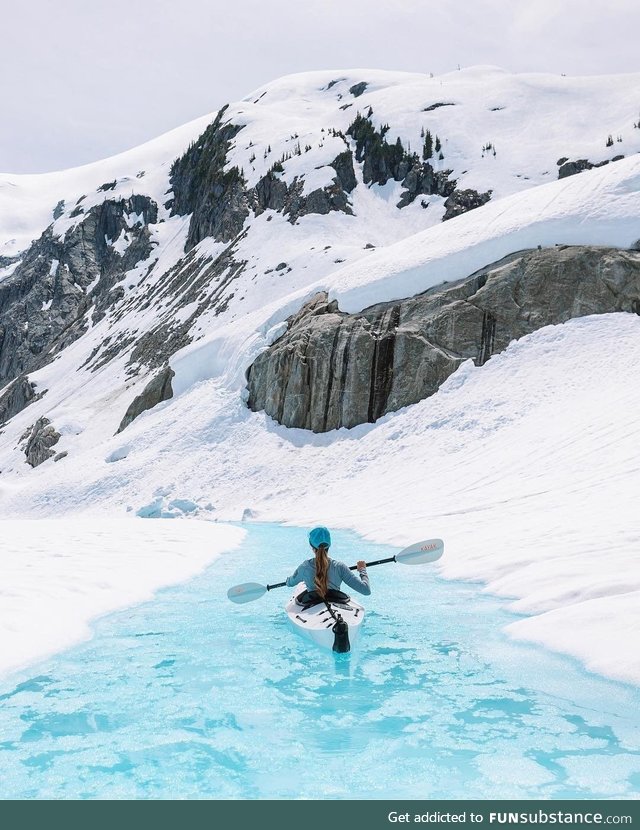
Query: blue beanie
[{"x": 319, "y": 536}]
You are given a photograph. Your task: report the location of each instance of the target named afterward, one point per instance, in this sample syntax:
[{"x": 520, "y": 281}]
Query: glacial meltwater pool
[{"x": 190, "y": 696}]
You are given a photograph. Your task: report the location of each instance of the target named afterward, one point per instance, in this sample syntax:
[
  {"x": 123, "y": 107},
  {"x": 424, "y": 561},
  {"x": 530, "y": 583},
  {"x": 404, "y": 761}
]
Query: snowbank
[
  {"x": 527, "y": 467},
  {"x": 58, "y": 575}
]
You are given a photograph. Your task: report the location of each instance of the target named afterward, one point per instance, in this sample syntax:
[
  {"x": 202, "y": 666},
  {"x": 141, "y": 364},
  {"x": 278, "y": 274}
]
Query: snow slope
[
  {"x": 27, "y": 201},
  {"x": 58, "y": 576},
  {"x": 527, "y": 467}
]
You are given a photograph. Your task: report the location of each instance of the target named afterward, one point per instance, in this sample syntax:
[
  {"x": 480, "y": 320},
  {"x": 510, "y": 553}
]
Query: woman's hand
[{"x": 361, "y": 565}]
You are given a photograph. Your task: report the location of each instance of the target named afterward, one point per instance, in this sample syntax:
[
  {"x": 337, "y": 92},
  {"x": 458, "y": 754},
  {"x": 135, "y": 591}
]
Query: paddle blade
[
  {"x": 246, "y": 592},
  {"x": 422, "y": 552}
]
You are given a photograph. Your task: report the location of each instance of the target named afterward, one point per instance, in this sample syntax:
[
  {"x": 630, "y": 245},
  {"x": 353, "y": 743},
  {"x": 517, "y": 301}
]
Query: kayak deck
[{"x": 316, "y": 623}]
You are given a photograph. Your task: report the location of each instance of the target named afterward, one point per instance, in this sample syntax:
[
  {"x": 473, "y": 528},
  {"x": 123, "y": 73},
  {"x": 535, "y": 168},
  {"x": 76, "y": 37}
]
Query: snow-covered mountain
[{"x": 137, "y": 293}]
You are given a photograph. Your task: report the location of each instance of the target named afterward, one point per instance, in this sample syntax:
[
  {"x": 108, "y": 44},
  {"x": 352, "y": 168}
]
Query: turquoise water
[{"x": 190, "y": 696}]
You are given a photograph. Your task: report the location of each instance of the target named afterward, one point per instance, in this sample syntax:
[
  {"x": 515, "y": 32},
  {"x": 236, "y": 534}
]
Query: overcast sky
[{"x": 81, "y": 80}]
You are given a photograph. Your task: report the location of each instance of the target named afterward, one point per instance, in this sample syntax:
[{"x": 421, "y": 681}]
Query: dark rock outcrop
[
  {"x": 462, "y": 201},
  {"x": 271, "y": 192},
  {"x": 44, "y": 302},
  {"x": 345, "y": 175},
  {"x": 382, "y": 161},
  {"x": 16, "y": 397},
  {"x": 332, "y": 369},
  {"x": 220, "y": 201},
  {"x": 422, "y": 179},
  {"x": 157, "y": 390},
  {"x": 439, "y": 104},
  {"x": 570, "y": 168},
  {"x": 40, "y": 439},
  {"x": 215, "y": 197},
  {"x": 357, "y": 89}
]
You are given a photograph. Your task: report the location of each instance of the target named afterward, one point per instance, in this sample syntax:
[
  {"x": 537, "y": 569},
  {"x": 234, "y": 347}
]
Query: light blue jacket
[{"x": 338, "y": 573}]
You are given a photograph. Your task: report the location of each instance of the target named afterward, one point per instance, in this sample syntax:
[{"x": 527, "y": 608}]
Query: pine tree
[
  {"x": 438, "y": 145},
  {"x": 427, "y": 150},
  {"x": 609, "y": 140}
]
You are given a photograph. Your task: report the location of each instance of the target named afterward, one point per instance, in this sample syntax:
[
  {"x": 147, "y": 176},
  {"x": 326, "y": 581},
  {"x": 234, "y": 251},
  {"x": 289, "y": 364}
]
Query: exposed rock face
[
  {"x": 216, "y": 198},
  {"x": 422, "y": 179},
  {"x": 42, "y": 437},
  {"x": 271, "y": 192},
  {"x": 332, "y": 369},
  {"x": 383, "y": 161},
  {"x": 220, "y": 201},
  {"x": 570, "y": 168},
  {"x": 357, "y": 89},
  {"x": 442, "y": 104},
  {"x": 43, "y": 303},
  {"x": 16, "y": 397},
  {"x": 157, "y": 390},
  {"x": 462, "y": 201}
]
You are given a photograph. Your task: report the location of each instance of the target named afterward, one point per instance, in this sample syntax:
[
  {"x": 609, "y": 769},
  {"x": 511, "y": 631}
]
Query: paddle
[{"x": 418, "y": 554}]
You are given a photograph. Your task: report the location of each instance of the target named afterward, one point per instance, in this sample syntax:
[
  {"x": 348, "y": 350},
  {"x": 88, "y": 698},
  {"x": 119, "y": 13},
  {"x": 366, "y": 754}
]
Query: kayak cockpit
[
  {"x": 334, "y": 624},
  {"x": 307, "y": 599}
]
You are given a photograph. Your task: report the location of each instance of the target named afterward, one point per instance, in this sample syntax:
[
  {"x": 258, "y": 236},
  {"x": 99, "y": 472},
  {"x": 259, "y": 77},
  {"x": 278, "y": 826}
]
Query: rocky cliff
[
  {"x": 332, "y": 369},
  {"x": 43, "y": 304},
  {"x": 220, "y": 201}
]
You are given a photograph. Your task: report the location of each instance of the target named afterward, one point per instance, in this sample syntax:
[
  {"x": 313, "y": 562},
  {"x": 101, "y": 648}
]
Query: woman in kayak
[{"x": 324, "y": 575}]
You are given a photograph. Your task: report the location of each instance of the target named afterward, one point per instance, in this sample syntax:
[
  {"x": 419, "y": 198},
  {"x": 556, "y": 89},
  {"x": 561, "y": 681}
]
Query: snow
[
  {"x": 527, "y": 467},
  {"x": 121, "y": 243},
  {"x": 58, "y": 576},
  {"x": 600, "y": 208},
  {"x": 8, "y": 270},
  {"x": 27, "y": 200}
]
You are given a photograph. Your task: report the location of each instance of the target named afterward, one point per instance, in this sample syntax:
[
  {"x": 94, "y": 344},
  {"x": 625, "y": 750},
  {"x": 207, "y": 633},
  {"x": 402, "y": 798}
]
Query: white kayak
[{"x": 315, "y": 622}]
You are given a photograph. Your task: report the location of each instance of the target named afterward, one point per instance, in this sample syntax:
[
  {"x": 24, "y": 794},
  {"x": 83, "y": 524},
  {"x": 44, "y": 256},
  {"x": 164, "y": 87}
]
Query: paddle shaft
[
  {"x": 377, "y": 562},
  {"x": 352, "y": 568}
]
